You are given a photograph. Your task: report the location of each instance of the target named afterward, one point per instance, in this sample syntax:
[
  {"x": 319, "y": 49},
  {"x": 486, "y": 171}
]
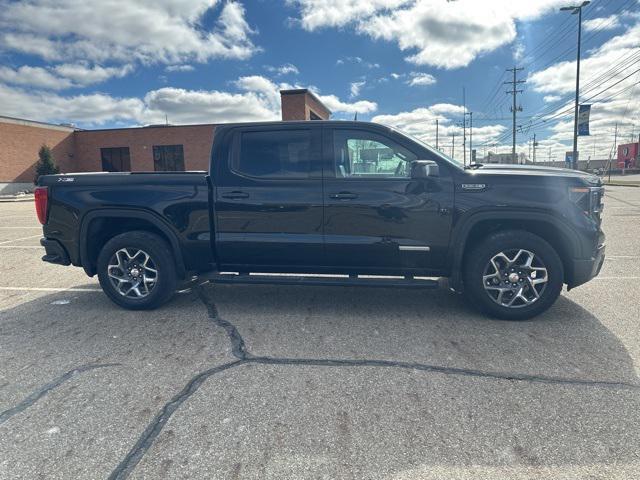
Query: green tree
[{"x": 46, "y": 164}]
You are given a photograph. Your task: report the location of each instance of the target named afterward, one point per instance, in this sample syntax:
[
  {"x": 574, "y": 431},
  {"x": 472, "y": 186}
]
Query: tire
[
  {"x": 502, "y": 258},
  {"x": 128, "y": 268}
]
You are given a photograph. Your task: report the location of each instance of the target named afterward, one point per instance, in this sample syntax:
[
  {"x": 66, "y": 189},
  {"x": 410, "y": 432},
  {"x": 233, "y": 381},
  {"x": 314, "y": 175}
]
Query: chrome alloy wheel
[
  {"x": 515, "y": 278},
  {"x": 132, "y": 272}
]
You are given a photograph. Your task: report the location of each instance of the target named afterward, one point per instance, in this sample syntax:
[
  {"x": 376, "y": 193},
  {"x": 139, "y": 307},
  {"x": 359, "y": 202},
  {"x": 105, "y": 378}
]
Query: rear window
[{"x": 275, "y": 154}]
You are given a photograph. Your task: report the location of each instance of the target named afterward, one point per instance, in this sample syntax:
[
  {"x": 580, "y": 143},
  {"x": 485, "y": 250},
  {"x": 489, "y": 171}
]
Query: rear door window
[{"x": 282, "y": 154}]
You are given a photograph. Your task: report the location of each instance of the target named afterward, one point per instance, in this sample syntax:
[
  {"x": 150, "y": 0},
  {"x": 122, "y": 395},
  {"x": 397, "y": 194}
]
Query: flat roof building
[{"x": 149, "y": 148}]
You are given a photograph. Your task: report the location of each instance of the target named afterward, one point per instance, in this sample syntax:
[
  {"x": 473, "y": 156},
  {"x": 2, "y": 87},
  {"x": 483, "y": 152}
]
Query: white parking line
[
  {"x": 23, "y": 238},
  {"x": 45, "y": 289},
  {"x": 17, "y": 228},
  {"x": 21, "y": 246},
  {"x": 617, "y": 278}
]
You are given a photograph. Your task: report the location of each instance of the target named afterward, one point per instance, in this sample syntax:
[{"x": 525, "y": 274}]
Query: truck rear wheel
[
  {"x": 137, "y": 271},
  {"x": 513, "y": 275}
]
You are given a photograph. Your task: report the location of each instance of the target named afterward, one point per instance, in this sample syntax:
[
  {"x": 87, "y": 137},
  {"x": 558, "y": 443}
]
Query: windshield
[{"x": 431, "y": 149}]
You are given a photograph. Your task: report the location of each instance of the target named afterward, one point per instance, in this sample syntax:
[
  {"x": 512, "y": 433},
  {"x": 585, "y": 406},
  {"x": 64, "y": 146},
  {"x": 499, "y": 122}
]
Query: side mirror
[{"x": 424, "y": 169}]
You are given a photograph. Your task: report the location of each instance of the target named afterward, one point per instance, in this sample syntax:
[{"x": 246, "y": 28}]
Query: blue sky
[{"x": 401, "y": 62}]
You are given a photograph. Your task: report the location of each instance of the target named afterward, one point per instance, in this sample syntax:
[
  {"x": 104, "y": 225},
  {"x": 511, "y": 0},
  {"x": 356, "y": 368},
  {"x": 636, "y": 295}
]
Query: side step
[{"x": 316, "y": 279}]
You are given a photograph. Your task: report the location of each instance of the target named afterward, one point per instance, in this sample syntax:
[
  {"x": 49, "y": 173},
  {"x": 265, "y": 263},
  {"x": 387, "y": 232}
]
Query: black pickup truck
[{"x": 332, "y": 203}]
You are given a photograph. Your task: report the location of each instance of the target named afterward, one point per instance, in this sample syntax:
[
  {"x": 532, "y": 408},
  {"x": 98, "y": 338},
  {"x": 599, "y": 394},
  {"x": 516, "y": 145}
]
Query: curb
[
  {"x": 622, "y": 185},
  {"x": 22, "y": 198}
]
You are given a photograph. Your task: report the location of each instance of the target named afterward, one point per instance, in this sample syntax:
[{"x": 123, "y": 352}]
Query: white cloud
[
  {"x": 180, "y": 68},
  {"x": 355, "y": 88},
  {"x": 35, "y": 76},
  {"x": 603, "y": 23},
  {"x": 83, "y": 74},
  {"x": 421, "y": 79},
  {"x": 357, "y": 60},
  {"x": 286, "y": 69},
  {"x": 61, "y": 76},
  {"x": 205, "y": 106},
  {"x": 167, "y": 31},
  {"x": 421, "y": 122},
  {"x": 89, "y": 109},
  {"x": 437, "y": 33},
  {"x": 257, "y": 99},
  {"x": 338, "y": 13},
  {"x": 336, "y": 105},
  {"x": 552, "y": 98}
]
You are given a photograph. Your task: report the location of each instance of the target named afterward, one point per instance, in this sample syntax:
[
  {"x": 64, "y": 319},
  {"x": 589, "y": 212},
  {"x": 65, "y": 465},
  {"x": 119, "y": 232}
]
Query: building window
[
  {"x": 115, "y": 159},
  {"x": 275, "y": 154},
  {"x": 168, "y": 158}
]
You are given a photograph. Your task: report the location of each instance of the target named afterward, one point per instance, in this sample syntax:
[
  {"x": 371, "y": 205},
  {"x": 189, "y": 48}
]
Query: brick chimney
[{"x": 301, "y": 104}]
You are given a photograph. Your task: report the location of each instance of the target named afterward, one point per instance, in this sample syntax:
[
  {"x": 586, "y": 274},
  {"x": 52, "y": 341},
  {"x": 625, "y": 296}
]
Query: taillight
[{"x": 41, "y": 195}]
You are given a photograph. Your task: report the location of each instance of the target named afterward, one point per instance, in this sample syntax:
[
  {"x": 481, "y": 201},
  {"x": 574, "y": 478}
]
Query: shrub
[{"x": 46, "y": 164}]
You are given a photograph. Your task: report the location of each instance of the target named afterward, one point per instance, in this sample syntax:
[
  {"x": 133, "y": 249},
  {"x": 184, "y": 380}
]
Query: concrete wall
[
  {"x": 20, "y": 141},
  {"x": 196, "y": 141}
]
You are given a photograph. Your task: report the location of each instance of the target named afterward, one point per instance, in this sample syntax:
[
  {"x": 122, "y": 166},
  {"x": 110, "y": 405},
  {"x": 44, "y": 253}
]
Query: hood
[{"x": 534, "y": 170}]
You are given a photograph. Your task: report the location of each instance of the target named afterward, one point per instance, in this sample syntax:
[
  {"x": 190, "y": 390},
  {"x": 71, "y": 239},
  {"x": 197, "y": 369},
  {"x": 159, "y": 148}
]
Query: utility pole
[
  {"x": 436, "y": 134},
  {"x": 576, "y": 9},
  {"x": 453, "y": 143},
  {"x": 535, "y": 144},
  {"x": 470, "y": 136},
  {"x": 514, "y": 91},
  {"x": 615, "y": 140},
  {"x": 464, "y": 127}
]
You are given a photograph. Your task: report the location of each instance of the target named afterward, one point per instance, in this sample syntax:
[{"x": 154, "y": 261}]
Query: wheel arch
[
  {"x": 103, "y": 224},
  {"x": 477, "y": 227}
]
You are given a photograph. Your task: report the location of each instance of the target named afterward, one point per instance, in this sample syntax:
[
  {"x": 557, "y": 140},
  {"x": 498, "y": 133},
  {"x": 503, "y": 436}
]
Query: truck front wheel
[
  {"x": 513, "y": 275},
  {"x": 137, "y": 271}
]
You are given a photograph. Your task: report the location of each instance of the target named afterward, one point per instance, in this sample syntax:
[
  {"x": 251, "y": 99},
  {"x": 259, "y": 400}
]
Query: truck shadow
[
  {"x": 466, "y": 419},
  {"x": 432, "y": 326}
]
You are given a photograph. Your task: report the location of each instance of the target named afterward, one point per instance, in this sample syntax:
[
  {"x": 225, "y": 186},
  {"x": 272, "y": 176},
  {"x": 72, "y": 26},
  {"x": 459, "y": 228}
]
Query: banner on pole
[{"x": 583, "y": 119}]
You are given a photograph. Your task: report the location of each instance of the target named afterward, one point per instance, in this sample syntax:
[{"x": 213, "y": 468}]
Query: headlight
[{"x": 588, "y": 199}]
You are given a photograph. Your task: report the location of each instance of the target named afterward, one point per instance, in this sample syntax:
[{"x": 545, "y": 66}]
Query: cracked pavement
[{"x": 316, "y": 382}]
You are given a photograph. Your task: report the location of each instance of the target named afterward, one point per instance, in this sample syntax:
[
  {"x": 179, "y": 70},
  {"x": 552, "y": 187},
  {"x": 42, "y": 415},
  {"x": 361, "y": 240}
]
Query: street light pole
[{"x": 576, "y": 9}]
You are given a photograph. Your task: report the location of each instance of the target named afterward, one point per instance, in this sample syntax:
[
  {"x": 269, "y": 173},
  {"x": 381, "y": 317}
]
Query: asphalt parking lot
[{"x": 279, "y": 382}]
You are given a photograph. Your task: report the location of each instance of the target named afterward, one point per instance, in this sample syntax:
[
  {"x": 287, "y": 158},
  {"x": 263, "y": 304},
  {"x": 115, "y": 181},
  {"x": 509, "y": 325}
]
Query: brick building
[{"x": 150, "y": 148}]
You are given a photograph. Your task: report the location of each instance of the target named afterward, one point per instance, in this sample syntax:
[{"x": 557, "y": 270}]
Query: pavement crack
[
  {"x": 238, "y": 348},
  {"x": 518, "y": 377},
  {"x": 48, "y": 387},
  {"x": 148, "y": 436},
  {"x": 240, "y": 351}
]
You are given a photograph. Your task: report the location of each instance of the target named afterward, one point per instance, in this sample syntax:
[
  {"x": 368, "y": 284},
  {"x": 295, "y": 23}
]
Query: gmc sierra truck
[{"x": 331, "y": 203}]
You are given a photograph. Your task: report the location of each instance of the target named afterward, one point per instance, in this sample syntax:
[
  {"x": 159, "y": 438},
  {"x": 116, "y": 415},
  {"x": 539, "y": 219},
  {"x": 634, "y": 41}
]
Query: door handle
[
  {"x": 343, "y": 196},
  {"x": 235, "y": 195}
]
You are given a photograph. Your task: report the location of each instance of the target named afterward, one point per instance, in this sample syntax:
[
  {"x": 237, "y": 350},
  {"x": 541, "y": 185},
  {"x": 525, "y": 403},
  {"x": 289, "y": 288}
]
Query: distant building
[
  {"x": 628, "y": 155},
  {"x": 151, "y": 148},
  {"x": 504, "y": 158}
]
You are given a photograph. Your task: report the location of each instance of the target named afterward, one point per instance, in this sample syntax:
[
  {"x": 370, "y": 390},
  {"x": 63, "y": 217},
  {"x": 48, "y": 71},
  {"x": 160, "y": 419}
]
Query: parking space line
[
  {"x": 21, "y": 246},
  {"x": 616, "y": 278},
  {"x": 49, "y": 289},
  {"x": 22, "y": 238},
  {"x": 18, "y": 228}
]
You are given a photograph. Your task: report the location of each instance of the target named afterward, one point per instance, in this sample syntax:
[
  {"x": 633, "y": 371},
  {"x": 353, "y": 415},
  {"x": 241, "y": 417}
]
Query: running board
[{"x": 324, "y": 280}]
